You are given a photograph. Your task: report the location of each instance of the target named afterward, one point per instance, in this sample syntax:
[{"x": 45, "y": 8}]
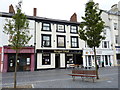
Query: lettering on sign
[{"x": 60, "y": 51}]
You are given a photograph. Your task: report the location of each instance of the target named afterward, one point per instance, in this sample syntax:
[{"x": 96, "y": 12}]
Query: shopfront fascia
[
  {"x": 25, "y": 59},
  {"x": 104, "y": 58},
  {"x": 57, "y": 58}
]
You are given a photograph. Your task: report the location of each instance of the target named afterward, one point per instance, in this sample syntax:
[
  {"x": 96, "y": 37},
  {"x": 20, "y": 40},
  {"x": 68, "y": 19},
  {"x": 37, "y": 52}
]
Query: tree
[
  {"x": 91, "y": 28},
  {"x": 17, "y": 29}
]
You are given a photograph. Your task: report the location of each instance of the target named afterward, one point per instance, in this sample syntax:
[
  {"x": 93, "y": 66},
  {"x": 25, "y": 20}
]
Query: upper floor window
[
  {"x": 105, "y": 44},
  {"x": 46, "y": 40},
  {"x": 61, "y": 42},
  {"x": 116, "y": 39},
  {"x": 60, "y": 28},
  {"x": 74, "y": 41},
  {"x": 115, "y": 26},
  {"x": 104, "y": 32},
  {"x": 73, "y": 29},
  {"x": 46, "y": 26}
]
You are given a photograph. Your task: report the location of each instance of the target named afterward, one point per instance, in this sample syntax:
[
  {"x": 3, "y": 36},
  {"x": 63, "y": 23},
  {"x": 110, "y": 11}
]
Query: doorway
[{"x": 57, "y": 60}]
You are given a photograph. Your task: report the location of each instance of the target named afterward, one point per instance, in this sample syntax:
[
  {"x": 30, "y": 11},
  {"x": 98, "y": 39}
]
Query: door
[
  {"x": 57, "y": 60},
  {"x": 11, "y": 63}
]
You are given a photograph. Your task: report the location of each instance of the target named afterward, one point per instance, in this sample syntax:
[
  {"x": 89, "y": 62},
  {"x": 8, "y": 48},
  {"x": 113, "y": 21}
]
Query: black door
[
  {"x": 57, "y": 60},
  {"x": 78, "y": 59}
]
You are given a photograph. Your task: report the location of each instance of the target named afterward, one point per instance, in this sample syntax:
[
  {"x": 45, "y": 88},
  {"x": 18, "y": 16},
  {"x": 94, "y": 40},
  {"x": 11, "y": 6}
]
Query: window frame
[
  {"x": 46, "y": 26},
  {"x": 64, "y": 41},
  {"x": 103, "y": 44},
  {"x": 76, "y": 29},
  {"x": 76, "y": 42},
  {"x": 57, "y": 30},
  {"x": 42, "y": 35},
  {"x": 115, "y": 26}
]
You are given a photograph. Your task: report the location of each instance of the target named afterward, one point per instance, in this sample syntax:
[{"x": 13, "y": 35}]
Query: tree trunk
[
  {"x": 96, "y": 67},
  {"x": 15, "y": 73}
]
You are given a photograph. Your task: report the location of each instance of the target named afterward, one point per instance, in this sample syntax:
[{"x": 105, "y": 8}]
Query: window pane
[
  {"x": 61, "y": 28},
  {"x": 74, "y": 42},
  {"x": 46, "y": 41},
  {"x": 73, "y": 29},
  {"x": 46, "y": 26},
  {"x": 60, "y": 41}
]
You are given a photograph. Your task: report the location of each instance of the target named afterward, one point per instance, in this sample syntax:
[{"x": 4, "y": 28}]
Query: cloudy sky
[{"x": 56, "y": 9}]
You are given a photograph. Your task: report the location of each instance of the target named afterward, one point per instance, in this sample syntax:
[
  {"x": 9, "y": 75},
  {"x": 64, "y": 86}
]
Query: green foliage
[
  {"x": 92, "y": 26},
  {"x": 17, "y": 29}
]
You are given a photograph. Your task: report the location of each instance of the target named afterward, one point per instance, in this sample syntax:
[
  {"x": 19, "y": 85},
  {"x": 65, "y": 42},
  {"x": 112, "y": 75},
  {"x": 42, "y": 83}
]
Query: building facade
[
  {"x": 57, "y": 44},
  {"x": 7, "y": 55}
]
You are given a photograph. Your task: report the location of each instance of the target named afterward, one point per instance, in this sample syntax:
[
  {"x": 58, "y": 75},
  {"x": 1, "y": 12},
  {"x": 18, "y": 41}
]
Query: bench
[{"x": 83, "y": 74}]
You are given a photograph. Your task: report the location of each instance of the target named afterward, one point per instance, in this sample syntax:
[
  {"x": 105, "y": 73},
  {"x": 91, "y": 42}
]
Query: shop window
[
  {"x": 60, "y": 28},
  {"x": 46, "y": 59},
  {"x": 98, "y": 60},
  {"x": 46, "y": 26},
  {"x": 46, "y": 40},
  {"x": 61, "y": 41},
  {"x": 70, "y": 59},
  {"x": 74, "y": 42},
  {"x": 28, "y": 61},
  {"x": 73, "y": 29}
]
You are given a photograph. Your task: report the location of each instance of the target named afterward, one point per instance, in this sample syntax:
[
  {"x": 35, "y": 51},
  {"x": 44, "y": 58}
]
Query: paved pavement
[{"x": 58, "y": 78}]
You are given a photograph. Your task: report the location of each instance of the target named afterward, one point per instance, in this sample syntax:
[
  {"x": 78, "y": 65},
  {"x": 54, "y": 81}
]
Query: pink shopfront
[{"x": 25, "y": 59}]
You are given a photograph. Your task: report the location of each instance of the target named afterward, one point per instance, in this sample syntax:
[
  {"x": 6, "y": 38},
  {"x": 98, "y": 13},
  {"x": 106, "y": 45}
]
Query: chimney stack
[
  {"x": 73, "y": 18},
  {"x": 11, "y": 9},
  {"x": 34, "y": 11}
]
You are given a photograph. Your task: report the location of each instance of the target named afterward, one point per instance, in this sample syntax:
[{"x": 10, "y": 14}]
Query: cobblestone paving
[{"x": 58, "y": 78}]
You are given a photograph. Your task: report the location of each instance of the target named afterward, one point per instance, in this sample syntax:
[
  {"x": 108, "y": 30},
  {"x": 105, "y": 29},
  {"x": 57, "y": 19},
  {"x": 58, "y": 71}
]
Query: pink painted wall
[
  {"x": 32, "y": 62},
  {"x": 5, "y": 63},
  {"x": 8, "y": 50}
]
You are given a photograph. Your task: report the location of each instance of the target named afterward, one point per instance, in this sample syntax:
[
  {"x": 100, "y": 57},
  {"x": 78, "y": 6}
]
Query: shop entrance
[
  {"x": 57, "y": 60},
  {"x": 78, "y": 59},
  {"x": 23, "y": 62}
]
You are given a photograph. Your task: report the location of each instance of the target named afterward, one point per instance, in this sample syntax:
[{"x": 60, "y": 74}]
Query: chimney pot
[{"x": 34, "y": 11}]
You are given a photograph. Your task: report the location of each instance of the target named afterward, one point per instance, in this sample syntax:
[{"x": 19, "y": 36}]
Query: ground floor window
[
  {"x": 23, "y": 62},
  {"x": 102, "y": 60},
  {"x": 46, "y": 59},
  {"x": 69, "y": 58}
]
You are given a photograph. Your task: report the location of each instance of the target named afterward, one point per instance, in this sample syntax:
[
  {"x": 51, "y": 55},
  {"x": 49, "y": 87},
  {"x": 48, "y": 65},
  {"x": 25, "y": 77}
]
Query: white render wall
[
  {"x": 54, "y": 34},
  {"x": 39, "y": 61},
  {"x": 4, "y": 37}
]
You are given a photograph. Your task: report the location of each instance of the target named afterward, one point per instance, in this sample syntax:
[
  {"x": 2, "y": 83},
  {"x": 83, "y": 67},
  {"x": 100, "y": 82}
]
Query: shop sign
[
  {"x": 91, "y": 52},
  {"x": 61, "y": 51}
]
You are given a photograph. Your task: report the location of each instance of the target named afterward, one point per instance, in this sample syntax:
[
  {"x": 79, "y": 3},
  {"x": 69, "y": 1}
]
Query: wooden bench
[{"x": 83, "y": 74}]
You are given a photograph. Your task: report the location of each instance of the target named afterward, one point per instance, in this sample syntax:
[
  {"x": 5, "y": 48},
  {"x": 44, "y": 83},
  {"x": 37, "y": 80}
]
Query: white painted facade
[
  {"x": 104, "y": 55},
  {"x": 59, "y": 50}
]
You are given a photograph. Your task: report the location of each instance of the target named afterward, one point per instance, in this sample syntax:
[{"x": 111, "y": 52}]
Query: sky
[{"x": 55, "y": 9}]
